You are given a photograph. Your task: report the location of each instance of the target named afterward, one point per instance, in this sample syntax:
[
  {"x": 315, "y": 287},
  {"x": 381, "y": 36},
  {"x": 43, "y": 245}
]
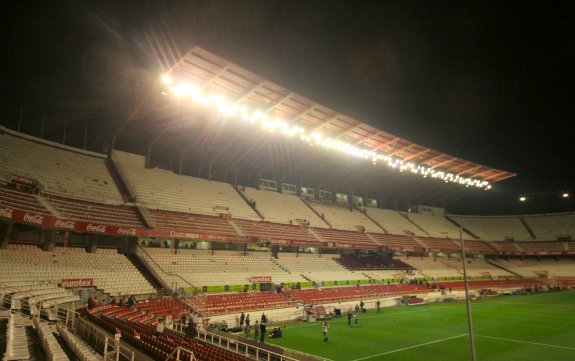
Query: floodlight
[
  {"x": 166, "y": 79},
  {"x": 565, "y": 195},
  {"x": 522, "y": 199}
]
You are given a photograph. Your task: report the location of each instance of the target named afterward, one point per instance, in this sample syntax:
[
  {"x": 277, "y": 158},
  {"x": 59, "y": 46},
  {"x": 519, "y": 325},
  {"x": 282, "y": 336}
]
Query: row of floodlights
[
  {"x": 563, "y": 195},
  {"x": 273, "y": 125}
]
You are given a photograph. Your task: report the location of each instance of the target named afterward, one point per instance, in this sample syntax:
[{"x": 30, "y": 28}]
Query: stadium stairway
[
  {"x": 374, "y": 221},
  {"x": 529, "y": 230},
  {"x": 317, "y": 213},
  {"x": 236, "y": 227},
  {"x": 502, "y": 268},
  {"x": 48, "y": 206},
  {"x": 415, "y": 224},
  {"x": 464, "y": 229},
  {"x": 248, "y": 202},
  {"x": 141, "y": 267},
  {"x": 124, "y": 188}
]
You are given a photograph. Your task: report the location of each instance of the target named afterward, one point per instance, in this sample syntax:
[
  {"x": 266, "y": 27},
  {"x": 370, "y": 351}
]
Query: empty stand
[
  {"x": 162, "y": 189},
  {"x": 394, "y": 222},
  {"x": 552, "y": 226},
  {"x": 494, "y": 228},
  {"x": 343, "y": 218},
  {"x": 318, "y": 269},
  {"x": 95, "y": 212},
  {"x": 112, "y": 272},
  {"x": 59, "y": 169},
  {"x": 201, "y": 268},
  {"x": 435, "y": 226},
  {"x": 192, "y": 222},
  {"x": 282, "y": 208},
  {"x": 267, "y": 230}
]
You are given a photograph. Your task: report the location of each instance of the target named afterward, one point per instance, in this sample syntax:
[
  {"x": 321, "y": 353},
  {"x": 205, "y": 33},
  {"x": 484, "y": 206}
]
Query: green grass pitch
[{"x": 536, "y": 327}]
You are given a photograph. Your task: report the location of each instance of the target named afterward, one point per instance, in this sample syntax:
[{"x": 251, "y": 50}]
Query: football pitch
[{"x": 524, "y": 328}]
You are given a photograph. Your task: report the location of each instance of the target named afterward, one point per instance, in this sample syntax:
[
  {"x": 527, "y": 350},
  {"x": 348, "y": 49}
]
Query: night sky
[{"x": 492, "y": 82}]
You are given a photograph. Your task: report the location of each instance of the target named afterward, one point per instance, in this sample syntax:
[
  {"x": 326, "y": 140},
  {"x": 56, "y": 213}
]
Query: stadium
[{"x": 225, "y": 196}]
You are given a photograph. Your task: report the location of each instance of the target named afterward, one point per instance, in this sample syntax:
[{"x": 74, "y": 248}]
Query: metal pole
[
  {"x": 85, "y": 136},
  {"x": 467, "y": 302},
  {"x": 42, "y": 131},
  {"x": 65, "y": 129},
  {"x": 20, "y": 117}
]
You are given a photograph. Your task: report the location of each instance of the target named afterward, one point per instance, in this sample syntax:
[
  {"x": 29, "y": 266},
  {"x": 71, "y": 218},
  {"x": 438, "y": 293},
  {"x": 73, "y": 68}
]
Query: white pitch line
[
  {"x": 410, "y": 347},
  {"x": 529, "y": 342}
]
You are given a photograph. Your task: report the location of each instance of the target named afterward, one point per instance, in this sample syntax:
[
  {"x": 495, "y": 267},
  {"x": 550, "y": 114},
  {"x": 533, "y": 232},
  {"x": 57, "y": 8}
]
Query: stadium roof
[{"x": 209, "y": 71}]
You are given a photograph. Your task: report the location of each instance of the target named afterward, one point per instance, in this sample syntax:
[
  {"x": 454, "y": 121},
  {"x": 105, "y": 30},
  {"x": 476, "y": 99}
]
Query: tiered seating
[
  {"x": 551, "y": 226},
  {"x": 430, "y": 267},
  {"x": 506, "y": 247},
  {"x": 480, "y": 284},
  {"x": 394, "y": 222},
  {"x": 163, "y": 307},
  {"x": 200, "y": 268},
  {"x": 382, "y": 275},
  {"x": 95, "y": 212},
  {"x": 344, "y": 218},
  {"x": 161, "y": 347},
  {"x": 476, "y": 267},
  {"x": 18, "y": 200},
  {"x": 318, "y": 269},
  {"x": 435, "y": 226},
  {"x": 52, "y": 348},
  {"x": 441, "y": 244},
  {"x": 16, "y": 340},
  {"x": 282, "y": 208},
  {"x": 494, "y": 228},
  {"x": 268, "y": 230},
  {"x": 327, "y": 295},
  {"x": 81, "y": 349},
  {"x": 224, "y": 303},
  {"x": 338, "y": 294},
  {"x": 378, "y": 268},
  {"x": 163, "y": 189},
  {"x": 564, "y": 267},
  {"x": 474, "y": 246},
  {"x": 192, "y": 222},
  {"x": 340, "y": 236},
  {"x": 541, "y": 247},
  {"x": 112, "y": 272},
  {"x": 60, "y": 170},
  {"x": 396, "y": 289},
  {"x": 398, "y": 242}
]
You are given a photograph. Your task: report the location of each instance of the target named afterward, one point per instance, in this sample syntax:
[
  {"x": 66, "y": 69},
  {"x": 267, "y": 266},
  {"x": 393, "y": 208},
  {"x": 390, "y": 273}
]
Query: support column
[
  {"x": 6, "y": 230},
  {"x": 91, "y": 243},
  {"x": 48, "y": 239},
  {"x": 176, "y": 245}
]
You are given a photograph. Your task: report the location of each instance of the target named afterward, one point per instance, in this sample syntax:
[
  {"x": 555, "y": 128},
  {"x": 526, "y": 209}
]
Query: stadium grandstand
[{"x": 268, "y": 202}]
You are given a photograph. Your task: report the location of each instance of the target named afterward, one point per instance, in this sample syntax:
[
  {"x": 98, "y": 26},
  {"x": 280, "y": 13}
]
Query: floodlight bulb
[
  {"x": 565, "y": 195},
  {"x": 522, "y": 199},
  {"x": 166, "y": 79}
]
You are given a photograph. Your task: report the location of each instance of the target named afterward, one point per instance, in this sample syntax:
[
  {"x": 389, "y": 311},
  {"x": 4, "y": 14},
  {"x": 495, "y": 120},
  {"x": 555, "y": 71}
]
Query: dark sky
[{"x": 493, "y": 82}]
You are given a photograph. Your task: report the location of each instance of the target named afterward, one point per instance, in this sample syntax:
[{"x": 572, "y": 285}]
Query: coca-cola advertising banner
[
  {"x": 77, "y": 282},
  {"x": 46, "y": 221}
]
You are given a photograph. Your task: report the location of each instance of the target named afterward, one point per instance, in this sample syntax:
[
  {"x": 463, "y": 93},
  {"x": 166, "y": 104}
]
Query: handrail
[
  {"x": 251, "y": 348},
  {"x": 161, "y": 269},
  {"x": 178, "y": 351},
  {"x": 168, "y": 273}
]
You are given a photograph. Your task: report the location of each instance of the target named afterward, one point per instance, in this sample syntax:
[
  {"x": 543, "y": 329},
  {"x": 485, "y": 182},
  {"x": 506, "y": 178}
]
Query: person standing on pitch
[
  {"x": 325, "y": 329},
  {"x": 378, "y": 306},
  {"x": 349, "y": 318},
  {"x": 242, "y": 319},
  {"x": 256, "y": 331}
]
